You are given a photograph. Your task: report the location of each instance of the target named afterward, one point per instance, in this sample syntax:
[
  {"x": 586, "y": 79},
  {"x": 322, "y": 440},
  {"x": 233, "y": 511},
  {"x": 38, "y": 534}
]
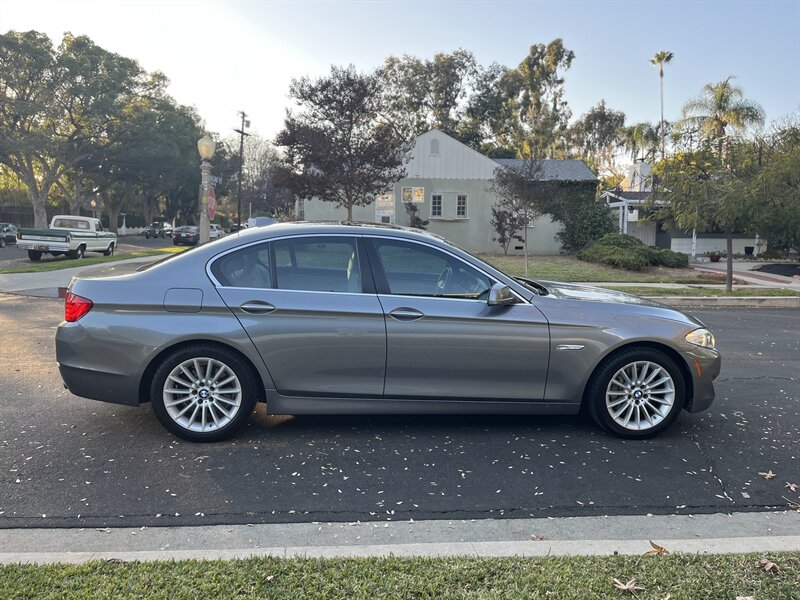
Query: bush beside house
[{"x": 628, "y": 252}]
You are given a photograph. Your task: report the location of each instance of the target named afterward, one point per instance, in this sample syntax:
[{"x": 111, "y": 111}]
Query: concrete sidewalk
[
  {"x": 715, "y": 533},
  {"x": 745, "y": 271}
]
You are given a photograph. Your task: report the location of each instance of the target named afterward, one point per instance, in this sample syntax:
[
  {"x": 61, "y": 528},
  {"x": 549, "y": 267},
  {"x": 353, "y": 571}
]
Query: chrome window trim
[{"x": 216, "y": 257}]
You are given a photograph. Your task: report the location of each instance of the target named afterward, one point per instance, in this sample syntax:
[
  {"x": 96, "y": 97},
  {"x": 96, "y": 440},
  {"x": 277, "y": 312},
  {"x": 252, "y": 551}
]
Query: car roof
[{"x": 335, "y": 227}]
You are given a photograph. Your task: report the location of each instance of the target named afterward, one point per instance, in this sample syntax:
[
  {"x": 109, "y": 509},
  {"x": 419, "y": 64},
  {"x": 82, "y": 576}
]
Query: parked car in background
[
  {"x": 187, "y": 234},
  {"x": 8, "y": 234},
  {"x": 68, "y": 235},
  {"x": 315, "y": 318},
  {"x": 158, "y": 229},
  {"x": 215, "y": 231}
]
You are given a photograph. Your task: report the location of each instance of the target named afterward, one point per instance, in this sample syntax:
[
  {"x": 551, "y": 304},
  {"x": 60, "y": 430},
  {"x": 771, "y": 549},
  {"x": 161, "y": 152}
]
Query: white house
[{"x": 450, "y": 183}]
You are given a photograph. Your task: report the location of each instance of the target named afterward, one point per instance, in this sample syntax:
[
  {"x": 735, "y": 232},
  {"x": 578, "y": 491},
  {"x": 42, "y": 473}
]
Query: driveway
[{"x": 66, "y": 461}]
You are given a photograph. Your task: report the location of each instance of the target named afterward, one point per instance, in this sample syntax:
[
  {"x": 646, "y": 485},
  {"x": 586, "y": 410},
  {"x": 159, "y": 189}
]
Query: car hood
[
  {"x": 587, "y": 292},
  {"x": 638, "y": 305}
]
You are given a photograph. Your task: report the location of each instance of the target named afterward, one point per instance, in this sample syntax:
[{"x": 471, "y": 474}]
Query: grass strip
[
  {"x": 701, "y": 292},
  {"x": 678, "y": 576},
  {"x": 58, "y": 263},
  {"x": 569, "y": 268}
]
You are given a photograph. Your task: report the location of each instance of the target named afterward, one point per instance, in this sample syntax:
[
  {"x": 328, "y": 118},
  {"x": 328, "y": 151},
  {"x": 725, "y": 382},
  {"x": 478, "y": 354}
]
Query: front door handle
[
  {"x": 257, "y": 307},
  {"x": 406, "y": 314}
]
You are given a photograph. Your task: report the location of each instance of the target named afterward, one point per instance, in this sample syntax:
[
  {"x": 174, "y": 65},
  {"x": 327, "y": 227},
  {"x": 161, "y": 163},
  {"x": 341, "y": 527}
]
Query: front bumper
[{"x": 704, "y": 365}]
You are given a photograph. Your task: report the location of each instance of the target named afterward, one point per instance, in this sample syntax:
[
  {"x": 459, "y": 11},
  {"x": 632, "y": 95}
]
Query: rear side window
[
  {"x": 245, "y": 268},
  {"x": 320, "y": 264}
]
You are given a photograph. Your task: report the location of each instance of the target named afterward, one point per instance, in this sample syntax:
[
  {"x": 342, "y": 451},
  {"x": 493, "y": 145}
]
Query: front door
[
  {"x": 443, "y": 340},
  {"x": 303, "y": 305}
]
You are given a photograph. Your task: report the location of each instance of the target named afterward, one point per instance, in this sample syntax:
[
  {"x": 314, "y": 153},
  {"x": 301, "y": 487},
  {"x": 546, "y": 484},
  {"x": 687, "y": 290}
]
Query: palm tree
[
  {"x": 659, "y": 60},
  {"x": 721, "y": 105}
]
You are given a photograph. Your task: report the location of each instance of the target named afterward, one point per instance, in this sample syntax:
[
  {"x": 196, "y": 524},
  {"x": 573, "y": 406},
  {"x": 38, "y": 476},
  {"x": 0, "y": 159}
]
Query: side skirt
[{"x": 278, "y": 404}]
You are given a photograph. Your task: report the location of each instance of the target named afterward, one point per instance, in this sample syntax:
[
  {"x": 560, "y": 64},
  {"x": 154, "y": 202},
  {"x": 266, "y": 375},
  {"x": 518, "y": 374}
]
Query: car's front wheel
[
  {"x": 203, "y": 393},
  {"x": 638, "y": 393}
]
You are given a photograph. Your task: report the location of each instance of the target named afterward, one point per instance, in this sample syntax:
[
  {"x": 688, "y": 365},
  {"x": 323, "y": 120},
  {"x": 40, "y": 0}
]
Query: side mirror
[{"x": 501, "y": 295}]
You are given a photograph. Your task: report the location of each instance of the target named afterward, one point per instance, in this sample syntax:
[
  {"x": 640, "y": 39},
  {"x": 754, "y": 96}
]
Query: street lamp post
[{"x": 206, "y": 147}]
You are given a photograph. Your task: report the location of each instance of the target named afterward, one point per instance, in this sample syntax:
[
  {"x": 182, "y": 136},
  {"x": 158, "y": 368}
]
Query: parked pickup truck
[{"x": 70, "y": 235}]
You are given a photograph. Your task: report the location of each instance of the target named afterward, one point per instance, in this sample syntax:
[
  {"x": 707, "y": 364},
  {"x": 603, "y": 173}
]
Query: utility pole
[{"x": 241, "y": 133}]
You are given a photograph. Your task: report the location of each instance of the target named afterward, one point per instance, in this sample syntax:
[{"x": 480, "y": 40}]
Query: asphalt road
[{"x": 66, "y": 461}]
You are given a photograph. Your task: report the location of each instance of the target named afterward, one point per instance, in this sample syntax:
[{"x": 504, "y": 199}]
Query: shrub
[
  {"x": 668, "y": 258},
  {"x": 628, "y": 252}
]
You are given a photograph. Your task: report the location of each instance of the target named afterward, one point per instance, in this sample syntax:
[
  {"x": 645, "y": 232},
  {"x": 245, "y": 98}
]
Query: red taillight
[{"x": 75, "y": 307}]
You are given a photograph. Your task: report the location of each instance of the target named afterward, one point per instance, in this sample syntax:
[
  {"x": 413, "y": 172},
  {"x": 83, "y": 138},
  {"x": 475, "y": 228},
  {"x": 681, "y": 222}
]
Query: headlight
[{"x": 701, "y": 337}]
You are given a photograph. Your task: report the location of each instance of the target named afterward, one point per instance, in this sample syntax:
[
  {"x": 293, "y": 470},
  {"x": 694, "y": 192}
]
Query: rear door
[
  {"x": 443, "y": 340},
  {"x": 309, "y": 305}
]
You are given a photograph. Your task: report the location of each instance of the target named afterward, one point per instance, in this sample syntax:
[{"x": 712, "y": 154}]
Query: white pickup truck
[{"x": 67, "y": 234}]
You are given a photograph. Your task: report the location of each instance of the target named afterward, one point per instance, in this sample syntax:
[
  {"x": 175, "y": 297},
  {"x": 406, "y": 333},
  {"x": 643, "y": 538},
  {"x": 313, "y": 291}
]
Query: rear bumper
[
  {"x": 705, "y": 367},
  {"x": 43, "y": 246},
  {"x": 96, "y": 385}
]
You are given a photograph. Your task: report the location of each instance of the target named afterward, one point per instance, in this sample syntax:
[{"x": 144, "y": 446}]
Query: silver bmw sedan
[{"x": 364, "y": 319}]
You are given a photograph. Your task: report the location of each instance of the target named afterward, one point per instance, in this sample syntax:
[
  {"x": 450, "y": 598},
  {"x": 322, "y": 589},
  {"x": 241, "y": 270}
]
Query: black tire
[
  {"x": 242, "y": 370},
  {"x": 34, "y": 255},
  {"x": 601, "y": 378},
  {"x": 77, "y": 254},
  {"x": 109, "y": 251},
  {"x": 2, "y": 242},
  {"x": 147, "y": 235}
]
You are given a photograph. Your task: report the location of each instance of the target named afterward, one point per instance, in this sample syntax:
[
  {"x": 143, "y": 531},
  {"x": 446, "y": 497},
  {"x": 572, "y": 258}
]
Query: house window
[
  {"x": 461, "y": 206},
  {"x": 436, "y": 206},
  {"x": 434, "y": 147}
]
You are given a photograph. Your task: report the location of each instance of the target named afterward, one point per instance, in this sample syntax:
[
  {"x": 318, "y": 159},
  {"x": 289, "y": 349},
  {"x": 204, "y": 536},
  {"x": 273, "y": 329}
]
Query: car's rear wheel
[
  {"x": 34, "y": 255},
  {"x": 203, "y": 393},
  {"x": 638, "y": 393},
  {"x": 2, "y": 242}
]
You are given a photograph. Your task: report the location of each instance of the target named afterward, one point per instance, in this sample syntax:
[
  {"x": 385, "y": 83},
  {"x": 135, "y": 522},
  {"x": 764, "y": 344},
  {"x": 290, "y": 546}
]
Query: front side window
[
  {"x": 245, "y": 268},
  {"x": 320, "y": 264},
  {"x": 417, "y": 270},
  {"x": 436, "y": 206}
]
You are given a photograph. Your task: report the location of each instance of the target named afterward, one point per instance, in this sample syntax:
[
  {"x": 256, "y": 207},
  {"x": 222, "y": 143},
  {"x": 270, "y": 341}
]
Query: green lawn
[
  {"x": 648, "y": 291},
  {"x": 569, "y": 268},
  {"x": 67, "y": 263},
  {"x": 678, "y": 576}
]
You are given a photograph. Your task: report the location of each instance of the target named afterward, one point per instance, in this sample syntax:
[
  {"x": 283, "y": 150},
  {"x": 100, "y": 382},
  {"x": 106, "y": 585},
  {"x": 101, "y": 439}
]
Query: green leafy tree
[
  {"x": 524, "y": 108},
  {"x": 337, "y": 147},
  {"x": 573, "y": 204},
  {"x": 419, "y": 95},
  {"x": 597, "y": 136},
  {"x": 664, "y": 57},
  {"x": 641, "y": 141},
  {"x": 777, "y": 187},
  {"x": 414, "y": 220},
  {"x": 57, "y": 106}
]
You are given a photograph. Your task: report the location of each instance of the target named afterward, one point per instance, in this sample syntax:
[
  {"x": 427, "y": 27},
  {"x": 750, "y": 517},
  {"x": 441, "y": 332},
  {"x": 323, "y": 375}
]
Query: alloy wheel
[
  {"x": 640, "y": 395},
  {"x": 202, "y": 394}
]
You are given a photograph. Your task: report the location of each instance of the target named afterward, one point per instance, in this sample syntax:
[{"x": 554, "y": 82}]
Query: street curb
[
  {"x": 561, "y": 536},
  {"x": 473, "y": 549},
  {"x": 729, "y": 302}
]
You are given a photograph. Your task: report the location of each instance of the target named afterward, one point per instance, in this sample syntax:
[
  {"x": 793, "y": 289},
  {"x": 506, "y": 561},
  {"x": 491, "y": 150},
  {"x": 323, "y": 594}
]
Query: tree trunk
[
  {"x": 349, "y": 212},
  {"x": 75, "y": 200},
  {"x": 729, "y": 248}
]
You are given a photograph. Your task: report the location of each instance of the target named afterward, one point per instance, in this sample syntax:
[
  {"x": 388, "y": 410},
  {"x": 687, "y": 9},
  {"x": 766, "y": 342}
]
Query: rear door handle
[
  {"x": 406, "y": 314},
  {"x": 256, "y": 307}
]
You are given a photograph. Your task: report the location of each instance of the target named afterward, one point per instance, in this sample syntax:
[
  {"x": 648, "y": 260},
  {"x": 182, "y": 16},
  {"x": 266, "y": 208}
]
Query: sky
[{"x": 227, "y": 56}]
